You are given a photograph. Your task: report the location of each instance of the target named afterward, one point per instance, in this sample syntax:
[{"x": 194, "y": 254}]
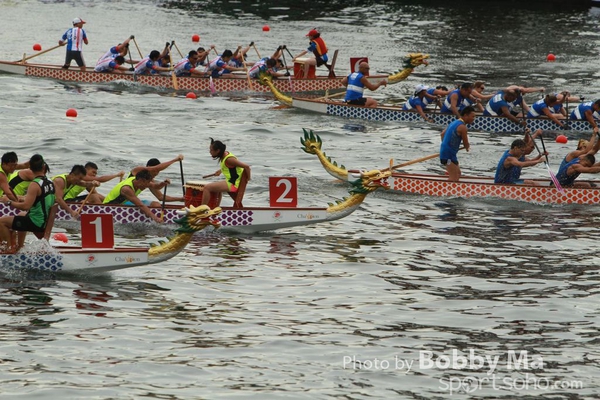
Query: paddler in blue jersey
[
  {"x": 356, "y": 83},
  {"x": 452, "y": 137}
]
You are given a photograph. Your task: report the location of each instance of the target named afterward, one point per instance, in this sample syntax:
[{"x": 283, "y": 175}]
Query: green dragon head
[
  {"x": 370, "y": 181},
  {"x": 197, "y": 218}
]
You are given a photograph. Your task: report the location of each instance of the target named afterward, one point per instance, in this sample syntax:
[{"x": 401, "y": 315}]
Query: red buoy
[
  {"x": 195, "y": 38},
  {"x": 561, "y": 139},
  {"x": 266, "y": 28},
  {"x": 191, "y": 95},
  {"x": 551, "y": 57},
  {"x": 37, "y": 47},
  {"x": 71, "y": 112},
  {"x": 60, "y": 237}
]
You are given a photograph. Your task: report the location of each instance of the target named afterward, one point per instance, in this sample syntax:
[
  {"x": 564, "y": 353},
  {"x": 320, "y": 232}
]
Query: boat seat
[{"x": 49, "y": 224}]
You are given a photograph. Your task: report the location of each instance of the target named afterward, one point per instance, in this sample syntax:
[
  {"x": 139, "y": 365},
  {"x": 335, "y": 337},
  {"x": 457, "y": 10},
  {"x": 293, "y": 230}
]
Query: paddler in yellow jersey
[
  {"x": 127, "y": 191},
  {"x": 64, "y": 184},
  {"x": 20, "y": 181},
  {"x": 236, "y": 173},
  {"x": 10, "y": 163}
]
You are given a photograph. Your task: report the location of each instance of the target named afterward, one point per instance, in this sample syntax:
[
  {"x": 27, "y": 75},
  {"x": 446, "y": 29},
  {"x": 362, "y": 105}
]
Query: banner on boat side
[
  {"x": 283, "y": 191},
  {"x": 355, "y": 61},
  {"x": 97, "y": 231}
]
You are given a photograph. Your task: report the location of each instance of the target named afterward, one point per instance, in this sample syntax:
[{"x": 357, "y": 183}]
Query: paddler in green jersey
[{"x": 38, "y": 201}]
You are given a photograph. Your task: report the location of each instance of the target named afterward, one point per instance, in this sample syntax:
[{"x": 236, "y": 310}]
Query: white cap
[
  {"x": 78, "y": 21},
  {"x": 420, "y": 88}
]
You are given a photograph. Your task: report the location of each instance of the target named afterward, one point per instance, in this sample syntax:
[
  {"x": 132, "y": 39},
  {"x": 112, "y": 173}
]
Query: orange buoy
[
  {"x": 561, "y": 139},
  {"x": 191, "y": 95},
  {"x": 551, "y": 57},
  {"x": 37, "y": 47},
  {"x": 71, "y": 112},
  {"x": 266, "y": 28},
  {"x": 195, "y": 38},
  {"x": 60, "y": 237}
]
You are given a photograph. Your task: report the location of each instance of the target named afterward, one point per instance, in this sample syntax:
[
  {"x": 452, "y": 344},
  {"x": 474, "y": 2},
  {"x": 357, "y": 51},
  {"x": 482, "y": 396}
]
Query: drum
[
  {"x": 193, "y": 193},
  {"x": 299, "y": 70}
]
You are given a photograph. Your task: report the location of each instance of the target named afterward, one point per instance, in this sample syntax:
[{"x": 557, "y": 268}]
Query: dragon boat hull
[
  {"x": 234, "y": 84},
  {"x": 390, "y": 113},
  {"x": 232, "y": 220},
  {"x": 76, "y": 259},
  {"x": 439, "y": 186}
]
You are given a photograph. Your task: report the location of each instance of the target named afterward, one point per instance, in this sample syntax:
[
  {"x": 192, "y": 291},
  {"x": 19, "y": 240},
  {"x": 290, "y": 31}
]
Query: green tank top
[
  {"x": 38, "y": 213},
  {"x": 115, "y": 196}
]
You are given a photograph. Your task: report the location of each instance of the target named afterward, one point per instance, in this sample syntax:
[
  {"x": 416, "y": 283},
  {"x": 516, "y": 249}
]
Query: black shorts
[
  {"x": 77, "y": 199},
  {"x": 74, "y": 55},
  {"x": 445, "y": 161},
  {"x": 23, "y": 223},
  {"x": 358, "y": 102}
]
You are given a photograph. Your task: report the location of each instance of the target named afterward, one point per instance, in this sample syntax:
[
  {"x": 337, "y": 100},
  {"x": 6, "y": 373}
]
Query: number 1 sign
[
  {"x": 97, "y": 231},
  {"x": 283, "y": 191}
]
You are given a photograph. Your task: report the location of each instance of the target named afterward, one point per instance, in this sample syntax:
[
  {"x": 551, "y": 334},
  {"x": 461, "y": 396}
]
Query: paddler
[
  {"x": 452, "y": 137},
  {"x": 38, "y": 201}
]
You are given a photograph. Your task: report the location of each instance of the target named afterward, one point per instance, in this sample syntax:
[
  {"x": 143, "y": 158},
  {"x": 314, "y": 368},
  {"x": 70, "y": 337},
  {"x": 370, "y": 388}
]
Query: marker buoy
[
  {"x": 37, "y": 47},
  {"x": 60, "y": 237},
  {"x": 561, "y": 139},
  {"x": 551, "y": 57},
  {"x": 191, "y": 95},
  {"x": 195, "y": 38},
  {"x": 71, "y": 112},
  {"x": 266, "y": 28}
]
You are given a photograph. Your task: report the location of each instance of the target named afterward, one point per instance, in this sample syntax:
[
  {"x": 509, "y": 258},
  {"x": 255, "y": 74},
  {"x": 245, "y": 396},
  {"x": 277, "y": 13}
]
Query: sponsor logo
[
  {"x": 308, "y": 216},
  {"x": 127, "y": 259}
]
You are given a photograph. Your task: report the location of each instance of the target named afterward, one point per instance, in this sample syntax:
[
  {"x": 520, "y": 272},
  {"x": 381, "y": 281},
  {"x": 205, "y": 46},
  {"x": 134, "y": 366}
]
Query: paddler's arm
[
  {"x": 156, "y": 191},
  {"x": 7, "y": 189},
  {"x": 32, "y": 193},
  {"x": 59, "y": 191},
  {"x": 372, "y": 87},
  {"x": 234, "y": 162},
  {"x": 130, "y": 195}
]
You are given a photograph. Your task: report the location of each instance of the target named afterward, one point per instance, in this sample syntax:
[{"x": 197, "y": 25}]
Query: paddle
[
  {"x": 211, "y": 85},
  {"x": 418, "y": 160},
  {"x": 567, "y": 110},
  {"x": 162, "y": 209},
  {"x": 137, "y": 47},
  {"x": 182, "y": 180},
  {"x": 86, "y": 199},
  {"x": 250, "y": 84},
  {"x": 255, "y": 49},
  {"x": 132, "y": 69},
  {"x": 179, "y": 51},
  {"x": 552, "y": 175},
  {"x": 39, "y": 54},
  {"x": 173, "y": 76}
]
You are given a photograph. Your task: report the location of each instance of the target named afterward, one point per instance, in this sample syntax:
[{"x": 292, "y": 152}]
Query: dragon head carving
[
  {"x": 411, "y": 61},
  {"x": 370, "y": 181},
  {"x": 197, "y": 218}
]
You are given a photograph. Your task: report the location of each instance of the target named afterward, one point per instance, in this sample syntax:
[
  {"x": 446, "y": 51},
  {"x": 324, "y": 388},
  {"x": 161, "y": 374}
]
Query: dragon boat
[
  {"x": 244, "y": 220},
  {"x": 231, "y": 84},
  {"x": 438, "y": 185},
  {"x": 75, "y": 259},
  {"x": 395, "y": 113}
]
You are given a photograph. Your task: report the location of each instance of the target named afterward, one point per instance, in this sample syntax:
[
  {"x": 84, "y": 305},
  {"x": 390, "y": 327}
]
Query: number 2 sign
[
  {"x": 97, "y": 231},
  {"x": 283, "y": 191}
]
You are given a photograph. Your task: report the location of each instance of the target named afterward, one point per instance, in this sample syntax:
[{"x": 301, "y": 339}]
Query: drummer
[{"x": 236, "y": 173}]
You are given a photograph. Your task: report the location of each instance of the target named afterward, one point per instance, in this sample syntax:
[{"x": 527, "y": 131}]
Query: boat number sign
[
  {"x": 283, "y": 191},
  {"x": 97, "y": 231}
]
